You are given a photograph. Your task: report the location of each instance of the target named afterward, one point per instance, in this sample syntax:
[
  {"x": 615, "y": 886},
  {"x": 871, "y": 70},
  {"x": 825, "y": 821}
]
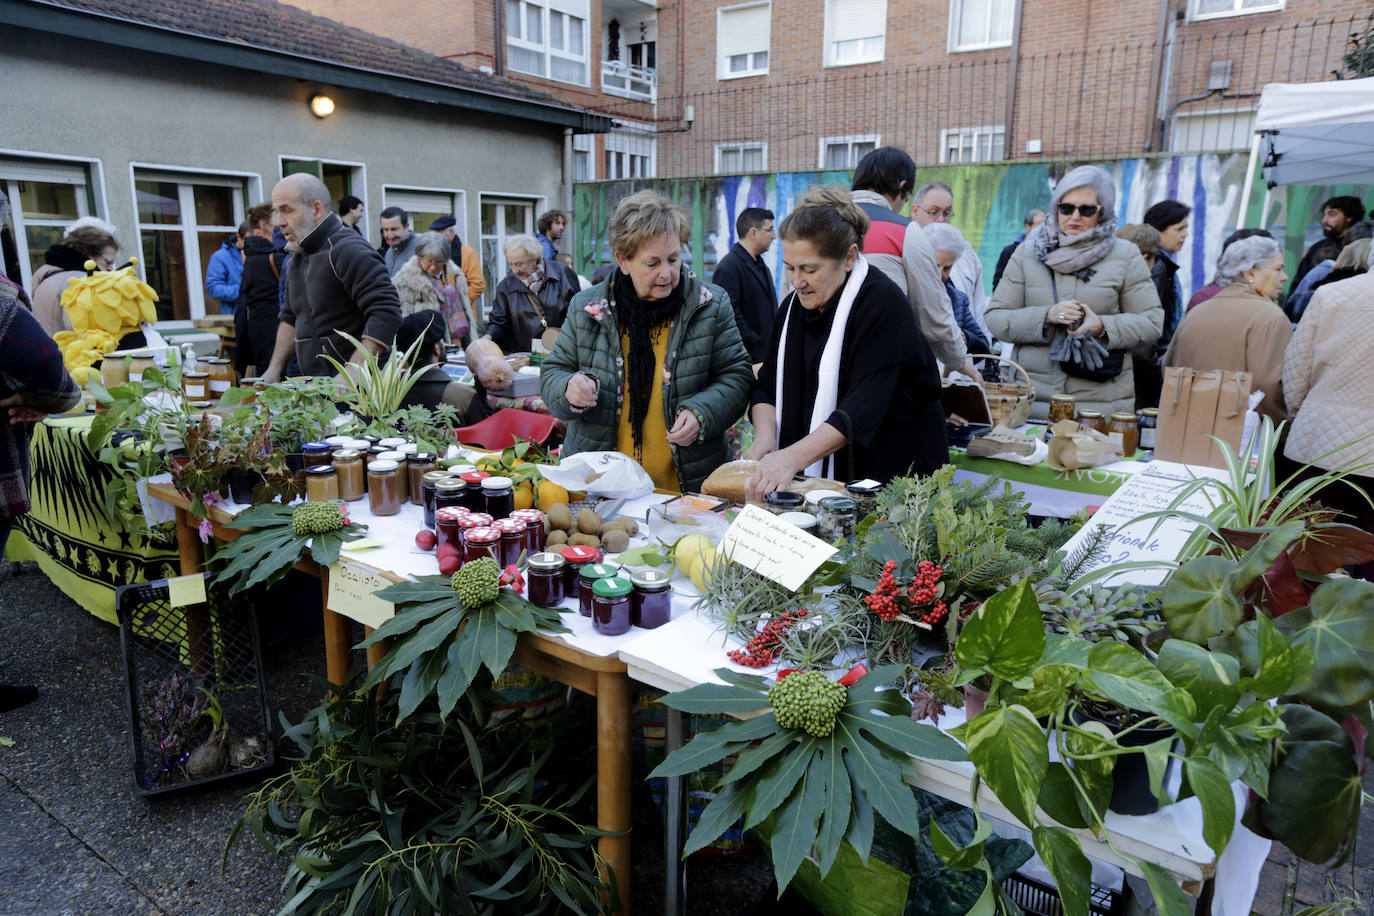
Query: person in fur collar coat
[{"x": 429, "y": 280}]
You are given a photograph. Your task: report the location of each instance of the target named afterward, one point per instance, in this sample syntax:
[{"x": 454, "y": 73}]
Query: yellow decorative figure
[{"x": 103, "y": 307}]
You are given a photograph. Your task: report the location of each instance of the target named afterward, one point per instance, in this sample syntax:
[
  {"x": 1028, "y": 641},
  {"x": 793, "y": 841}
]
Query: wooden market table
[{"x": 599, "y": 673}]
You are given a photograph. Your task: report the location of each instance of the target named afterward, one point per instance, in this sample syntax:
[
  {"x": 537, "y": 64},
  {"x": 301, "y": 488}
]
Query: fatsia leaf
[
  {"x": 829, "y": 769},
  {"x": 1005, "y": 636},
  {"x": 727, "y": 807},
  {"x": 1062, "y": 855},
  {"x": 758, "y": 754},
  {"x": 879, "y": 779},
  {"x": 859, "y": 833},
  {"x": 777, "y": 779},
  {"x": 716, "y": 698},
  {"x": 707, "y": 748},
  {"x": 794, "y": 825},
  {"x": 426, "y": 639},
  {"x": 886, "y": 717},
  {"x": 1008, "y": 747}
]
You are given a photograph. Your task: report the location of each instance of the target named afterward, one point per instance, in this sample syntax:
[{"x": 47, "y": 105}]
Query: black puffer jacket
[
  {"x": 337, "y": 282},
  {"x": 513, "y": 321},
  {"x": 256, "y": 319}
]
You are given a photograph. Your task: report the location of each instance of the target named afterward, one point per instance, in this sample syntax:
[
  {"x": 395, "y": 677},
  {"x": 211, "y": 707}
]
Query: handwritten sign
[
  {"x": 773, "y": 548},
  {"x": 351, "y": 591},
  {"x": 1159, "y": 539},
  {"x": 186, "y": 590}
]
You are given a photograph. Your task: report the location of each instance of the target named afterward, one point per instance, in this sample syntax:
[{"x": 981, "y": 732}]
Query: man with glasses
[{"x": 934, "y": 203}]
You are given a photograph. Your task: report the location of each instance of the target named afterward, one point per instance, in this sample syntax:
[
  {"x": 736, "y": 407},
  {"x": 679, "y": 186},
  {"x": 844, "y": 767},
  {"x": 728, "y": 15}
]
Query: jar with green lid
[
  {"x": 611, "y": 606},
  {"x": 651, "y": 605},
  {"x": 586, "y": 578},
  {"x": 837, "y": 518}
]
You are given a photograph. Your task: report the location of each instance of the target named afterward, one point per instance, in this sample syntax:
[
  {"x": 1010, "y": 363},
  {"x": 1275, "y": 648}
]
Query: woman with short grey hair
[
  {"x": 1241, "y": 328},
  {"x": 1075, "y": 300},
  {"x": 945, "y": 237},
  {"x": 949, "y": 244},
  {"x": 530, "y": 300},
  {"x": 429, "y": 280}
]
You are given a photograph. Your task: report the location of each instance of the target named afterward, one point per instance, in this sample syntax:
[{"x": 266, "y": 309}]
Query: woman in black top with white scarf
[{"x": 850, "y": 388}]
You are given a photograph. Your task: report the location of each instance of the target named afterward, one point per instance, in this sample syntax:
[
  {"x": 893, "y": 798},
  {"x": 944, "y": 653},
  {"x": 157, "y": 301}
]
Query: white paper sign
[
  {"x": 771, "y": 547},
  {"x": 351, "y": 594},
  {"x": 1151, "y": 490}
]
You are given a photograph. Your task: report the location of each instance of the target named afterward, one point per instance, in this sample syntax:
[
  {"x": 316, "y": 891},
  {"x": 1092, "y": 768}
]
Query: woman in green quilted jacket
[{"x": 649, "y": 361}]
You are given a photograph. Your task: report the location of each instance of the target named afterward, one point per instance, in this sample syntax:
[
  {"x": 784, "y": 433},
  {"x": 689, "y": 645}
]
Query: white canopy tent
[{"x": 1313, "y": 133}]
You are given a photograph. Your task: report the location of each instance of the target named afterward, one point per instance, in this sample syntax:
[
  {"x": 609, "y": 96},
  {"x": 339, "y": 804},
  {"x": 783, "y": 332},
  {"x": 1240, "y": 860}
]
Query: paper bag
[
  {"x": 1075, "y": 446},
  {"x": 1196, "y": 404}
]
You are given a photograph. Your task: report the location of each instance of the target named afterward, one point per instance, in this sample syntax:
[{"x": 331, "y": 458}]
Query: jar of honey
[
  {"x": 348, "y": 465},
  {"x": 544, "y": 579},
  {"x": 114, "y": 370},
  {"x": 1062, "y": 407},
  {"x": 1092, "y": 419},
  {"x": 321, "y": 484},
  {"x": 315, "y": 453},
  {"x": 404, "y": 478},
  {"x": 195, "y": 385},
  {"x": 221, "y": 375},
  {"x": 1124, "y": 425},
  {"x": 418, "y": 465},
  {"x": 385, "y": 490},
  {"x": 139, "y": 362}
]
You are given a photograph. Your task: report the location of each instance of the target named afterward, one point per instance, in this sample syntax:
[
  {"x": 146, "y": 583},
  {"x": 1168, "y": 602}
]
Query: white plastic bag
[{"x": 616, "y": 475}]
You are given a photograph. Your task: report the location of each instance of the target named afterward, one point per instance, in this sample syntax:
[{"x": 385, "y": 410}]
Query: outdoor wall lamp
[{"x": 321, "y": 106}]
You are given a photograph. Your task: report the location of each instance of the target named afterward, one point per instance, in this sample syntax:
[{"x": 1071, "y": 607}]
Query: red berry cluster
[
  {"x": 920, "y": 597},
  {"x": 922, "y": 590},
  {"x": 761, "y": 649},
  {"x": 883, "y": 601}
]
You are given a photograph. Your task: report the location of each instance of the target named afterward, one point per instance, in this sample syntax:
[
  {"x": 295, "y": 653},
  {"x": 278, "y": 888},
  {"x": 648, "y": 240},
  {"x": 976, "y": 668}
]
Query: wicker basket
[{"x": 1009, "y": 403}]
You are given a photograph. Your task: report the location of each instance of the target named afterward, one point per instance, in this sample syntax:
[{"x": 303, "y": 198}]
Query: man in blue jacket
[{"x": 225, "y": 273}]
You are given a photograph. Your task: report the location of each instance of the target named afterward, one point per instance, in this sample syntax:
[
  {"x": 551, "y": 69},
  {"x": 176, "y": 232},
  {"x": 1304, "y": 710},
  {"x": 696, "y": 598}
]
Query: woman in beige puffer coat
[{"x": 1103, "y": 289}]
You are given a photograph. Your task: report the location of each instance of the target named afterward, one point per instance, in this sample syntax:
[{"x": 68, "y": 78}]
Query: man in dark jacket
[
  {"x": 745, "y": 277},
  {"x": 256, "y": 320},
  {"x": 1034, "y": 217},
  {"x": 335, "y": 283},
  {"x": 1338, "y": 215}
]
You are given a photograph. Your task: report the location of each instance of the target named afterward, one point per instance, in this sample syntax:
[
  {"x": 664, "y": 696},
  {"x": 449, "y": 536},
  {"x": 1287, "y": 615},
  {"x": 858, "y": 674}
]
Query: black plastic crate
[
  {"x": 1040, "y": 899},
  {"x": 171, "y": 656}
]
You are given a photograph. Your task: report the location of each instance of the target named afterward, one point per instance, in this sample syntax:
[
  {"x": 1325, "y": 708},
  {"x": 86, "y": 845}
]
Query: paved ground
[{"x": 75, "y": 839}]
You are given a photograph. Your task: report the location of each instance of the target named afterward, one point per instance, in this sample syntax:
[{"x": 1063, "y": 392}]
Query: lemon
[
  {"x": 550, "y": 494},
  {"x": 693, "y": 551},
  {"x": 701, "y": 573},
  {"x": 524, "y": 495}
]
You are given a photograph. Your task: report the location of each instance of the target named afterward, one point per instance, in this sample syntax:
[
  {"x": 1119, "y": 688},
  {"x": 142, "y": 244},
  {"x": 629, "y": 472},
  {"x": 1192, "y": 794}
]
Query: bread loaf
[{"x": 730, "y": 480}]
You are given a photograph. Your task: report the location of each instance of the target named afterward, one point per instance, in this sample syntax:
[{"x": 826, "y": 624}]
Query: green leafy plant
[
  {"x": 442, "y": 646},
  {"x": 815, "y": 793},
  {"x": 372, "y": 389},
  {"x": 433, "y": 814},
  {"x": 270, "y": 546}
]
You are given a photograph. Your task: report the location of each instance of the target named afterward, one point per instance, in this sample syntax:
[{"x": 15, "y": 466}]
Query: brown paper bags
[{"x": 1195, "y": 405}]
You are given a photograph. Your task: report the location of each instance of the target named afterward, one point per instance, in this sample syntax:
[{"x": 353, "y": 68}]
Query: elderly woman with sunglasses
[{"x": 1075, "y": 300}]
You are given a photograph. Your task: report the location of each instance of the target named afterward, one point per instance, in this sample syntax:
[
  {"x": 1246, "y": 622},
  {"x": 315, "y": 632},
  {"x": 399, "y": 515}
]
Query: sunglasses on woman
[{"x": 1087, "y": 210}]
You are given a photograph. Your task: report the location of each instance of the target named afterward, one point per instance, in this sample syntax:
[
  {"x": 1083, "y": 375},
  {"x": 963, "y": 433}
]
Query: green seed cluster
[
  {"x": 807, "y": 700},
  {"x": 316, "y": 518},
  {"x": 478, "y": 582}
]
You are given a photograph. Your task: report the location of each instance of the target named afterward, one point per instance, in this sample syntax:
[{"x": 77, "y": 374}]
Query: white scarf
[{"x": 828, "y": 374}]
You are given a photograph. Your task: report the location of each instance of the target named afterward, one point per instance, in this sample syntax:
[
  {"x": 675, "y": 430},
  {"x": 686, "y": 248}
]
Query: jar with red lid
[
  {"x": 611, "y": 606},
  {"x": 512, "y": 540},
  {"x": 587, "y": 577},
  {"x": 651, "y": 604},
  {"x": 576, "y": 557},
  {"x": 482, "y": 541},
  {"x": 544, "y": 579},
  {"x": 448, "y": 528},
  {"x": 472, "y": 495},
  {"x": 534, "y": 528}
]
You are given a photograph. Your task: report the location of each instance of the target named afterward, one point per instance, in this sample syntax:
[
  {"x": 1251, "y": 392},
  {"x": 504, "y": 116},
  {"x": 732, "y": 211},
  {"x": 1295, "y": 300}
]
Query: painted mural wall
[{"x": 990, "y": 201}]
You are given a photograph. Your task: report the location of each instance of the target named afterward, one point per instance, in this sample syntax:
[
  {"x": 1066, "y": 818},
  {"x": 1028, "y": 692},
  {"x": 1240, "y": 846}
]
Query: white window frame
[
  {"x": 723, "y": 71},
  {"x": 499, "y": 267},
  {"x": 460, "y": 205},
  {"x": 742, "y": 145},
  {"x": 975, "y": 133},
  {"x": 545, "y": 48},
  {"x": 585, "y": 144},
  {"x": 639, "y": 144},
  {"x": 955, "y": 9},
  {"x": 248, "y": 183},
  {"x": 1182, "y": 117},
  {"x": 1236, "y": 10},
  {"x": 25, "y": 165},
  {"x": 850, "y": 139},
  {"x": 828, "y": 49}
]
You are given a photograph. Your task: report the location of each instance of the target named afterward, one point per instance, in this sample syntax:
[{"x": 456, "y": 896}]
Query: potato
[
  {"x": 556, "y": 538},
  {"x": 588, "y": 522},
  {"x": 615, "y": 540},
  {"x": 584, "y": 540},
  {"x": 560, "y": 517}
]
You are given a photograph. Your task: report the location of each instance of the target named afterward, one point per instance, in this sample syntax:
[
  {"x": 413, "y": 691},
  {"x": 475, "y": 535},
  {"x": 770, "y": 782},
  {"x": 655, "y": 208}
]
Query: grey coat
[{"x": 1120, "y": 292}]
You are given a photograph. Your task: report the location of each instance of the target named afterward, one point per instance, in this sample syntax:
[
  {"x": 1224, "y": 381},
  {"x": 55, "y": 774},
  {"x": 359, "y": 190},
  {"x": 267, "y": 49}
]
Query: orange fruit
[
  {"x": 524, "y": 495},
  {"x": 550, "y": 494}
]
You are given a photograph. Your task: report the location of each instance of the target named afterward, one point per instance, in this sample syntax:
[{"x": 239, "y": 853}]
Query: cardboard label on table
[
  {"x": 351, "y": 591},
  {"x": 1151, "y": 490},
  {"x": 186, "y": 590},
  {"x": 771, "y": 547}
]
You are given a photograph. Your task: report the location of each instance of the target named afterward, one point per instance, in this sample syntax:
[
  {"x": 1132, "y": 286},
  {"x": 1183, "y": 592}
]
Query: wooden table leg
[
  {"x": 336, "y": 637},
  {"x": 378, "y": 652},
  {"x": 613, "y": 776},
  {"x": 199, "y": 645}
]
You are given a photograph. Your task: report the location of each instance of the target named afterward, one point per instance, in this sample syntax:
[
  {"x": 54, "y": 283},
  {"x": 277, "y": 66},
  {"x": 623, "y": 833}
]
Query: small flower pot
[
  {"x": 241, "y": 484},
  {"x": 1131, "y": 777}
]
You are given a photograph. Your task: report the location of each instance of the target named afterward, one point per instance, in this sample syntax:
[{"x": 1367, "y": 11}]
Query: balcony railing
[{"x": 622, "y": 79}]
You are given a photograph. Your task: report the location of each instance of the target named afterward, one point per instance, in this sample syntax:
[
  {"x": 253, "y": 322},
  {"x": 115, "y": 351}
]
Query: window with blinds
[
  {"x": 854, "y": 31},
  {"x": 978, "y": 24},
  {"x": 742, "y": 40},
  {"x": 741, "y": 158},
  {"x": 548, "y": 38}
]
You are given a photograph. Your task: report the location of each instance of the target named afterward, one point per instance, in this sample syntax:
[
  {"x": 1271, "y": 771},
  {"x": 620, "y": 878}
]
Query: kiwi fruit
[
  {"x": 615, "y": 540},
  {"x": 560, "y": 517},
  {"x": 588, "y": 522},
  {"x": 584, "y": 540},
  {"x": 557, "y": 537},
  {"x": 627, "y": 525}
]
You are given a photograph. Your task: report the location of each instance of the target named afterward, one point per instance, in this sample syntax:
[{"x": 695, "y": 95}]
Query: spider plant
[{"x": 374, "y": 389}]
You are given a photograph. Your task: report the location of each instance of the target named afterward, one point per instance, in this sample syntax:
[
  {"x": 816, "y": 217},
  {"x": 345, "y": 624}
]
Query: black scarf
[
  {"x": 64, "y": 257},
  {"x": 642, "y": 320}
]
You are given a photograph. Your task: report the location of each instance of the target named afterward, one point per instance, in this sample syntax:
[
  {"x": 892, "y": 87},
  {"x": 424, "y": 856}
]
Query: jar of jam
[
  {"x": 321, "y": 483},
  {"x": 428, "y": 494},
  {"x": 611, "y": 606},
  {"x": 1062, "y": 407},
  {"x": 534, "y": 528},
  {"x": 139, "y": 362},
  {"x": 587, "y": 576},
  {"x": 544, "y": 579},
  {"x": 481, "y": 541},
  {"x": 448, "y": 528},
  {"x": 1147, "y": 426},
  {"x": 512, "y": 540},
  {"x": 385, "y": 490},
  {"x": 576, "y": 557},
  {"x": 498, "y": 496},
  {"x": 195, "y": 385},
  {"x": 1092, "y": 419},
  {"x": 651, "y": 605},
  {"x": 472, "y": 497},
  {"x": 450, "y": 492},
  {"x": 348, "y": 465},
  {"x": 1123, "y": 424},
  {"x": 780, "y": 501},
  {"x": 865, "y": 495},
  {"x": 221, "y": 375},
  {"x": 400, "y": 459},
  {"x": 803, "y": 520},
  {"x": 418, "y": 464},
  {"x": 837, "y": 518},
  {"x": 315, "y": 453}
]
